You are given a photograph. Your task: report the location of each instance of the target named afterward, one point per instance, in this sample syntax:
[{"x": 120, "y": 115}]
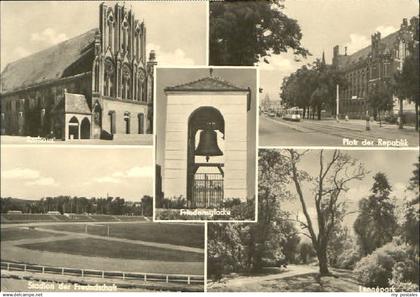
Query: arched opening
[
  {"x": 112, "y": 122},
  {"x": 74, "y": 128},
  {"x": 85, "y": 129},
  {"x": 141, "y": 123},
  {"x": 206, "y": 129},
  {"x": 127, "y": 122},
  {"x": 97, "y": 121}
]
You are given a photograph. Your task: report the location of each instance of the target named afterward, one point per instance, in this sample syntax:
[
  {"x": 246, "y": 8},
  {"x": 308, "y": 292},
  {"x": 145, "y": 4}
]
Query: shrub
[
  {"x": 405, "y": 276},
  {"x": 394, "y": 262},
  {"x": 348, "y": 258}
]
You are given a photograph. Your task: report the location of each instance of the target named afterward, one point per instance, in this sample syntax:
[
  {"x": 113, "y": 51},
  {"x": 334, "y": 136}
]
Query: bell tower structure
[{"x": 206, "y": 142}]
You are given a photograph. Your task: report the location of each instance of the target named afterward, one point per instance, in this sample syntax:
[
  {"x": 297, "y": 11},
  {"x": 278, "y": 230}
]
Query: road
[{"x": 278, "y": 132}]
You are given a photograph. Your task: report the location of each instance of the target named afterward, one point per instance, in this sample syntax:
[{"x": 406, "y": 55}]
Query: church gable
[{"x": 120, "y": 55}]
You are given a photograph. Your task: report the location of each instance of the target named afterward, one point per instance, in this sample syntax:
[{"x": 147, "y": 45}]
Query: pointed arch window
[
  {"x": 126, "y": 82},
  {"x": 141, "y": 85},
  {"x": 109, "y": 78},
  {"x": 110, "y": 29}
]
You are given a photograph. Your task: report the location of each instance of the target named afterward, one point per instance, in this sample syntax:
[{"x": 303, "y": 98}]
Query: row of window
[{"x": 127, "y": 122}]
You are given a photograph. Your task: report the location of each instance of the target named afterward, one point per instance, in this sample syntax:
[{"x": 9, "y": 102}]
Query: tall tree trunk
[
  {"x": 323, "y": 260},
  {"x": 319, "y": 112},
  {"x": 417, "y": 114}
]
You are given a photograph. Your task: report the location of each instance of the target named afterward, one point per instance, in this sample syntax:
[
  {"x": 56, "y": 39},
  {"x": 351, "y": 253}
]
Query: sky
[
  {"x": 327, "y": 23},
  {"x": 397, "y": 166},
  {"x": 177, "y": 32},
  {"x": 35, "y": 172}
]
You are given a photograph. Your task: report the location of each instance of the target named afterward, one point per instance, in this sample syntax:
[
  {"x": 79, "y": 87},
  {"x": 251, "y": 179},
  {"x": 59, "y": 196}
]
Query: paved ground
[
  {"x": 7, "y": 139},
  {"x": 278, "y": 132}
]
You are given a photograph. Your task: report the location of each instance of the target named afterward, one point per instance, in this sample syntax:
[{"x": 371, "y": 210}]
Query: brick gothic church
[
  {"x": 96, "y": 85},
  {"x": 370, "y": 65}
]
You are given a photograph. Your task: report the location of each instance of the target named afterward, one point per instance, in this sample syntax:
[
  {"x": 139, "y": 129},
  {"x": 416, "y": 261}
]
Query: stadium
[{"x": 99, "y": 252}]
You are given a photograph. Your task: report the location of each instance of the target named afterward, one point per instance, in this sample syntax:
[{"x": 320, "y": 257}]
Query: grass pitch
[
  {"x": 191, "y": 235},
  {"x": 112, "y": 249}
]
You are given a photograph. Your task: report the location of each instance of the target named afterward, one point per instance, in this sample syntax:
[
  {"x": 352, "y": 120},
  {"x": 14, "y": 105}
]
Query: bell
[{"x": 208, "y": 145}]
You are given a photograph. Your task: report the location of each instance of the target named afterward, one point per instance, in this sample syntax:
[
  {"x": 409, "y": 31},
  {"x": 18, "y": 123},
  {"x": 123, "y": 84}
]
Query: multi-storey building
[
  {"x": 366, "y": 67},
  {"x": 96, "y": 85}
]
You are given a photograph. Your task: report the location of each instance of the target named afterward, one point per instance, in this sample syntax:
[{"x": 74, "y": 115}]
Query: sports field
[
  {"x": 128, "y": 246},
  {"x": 178, "y": 234}
]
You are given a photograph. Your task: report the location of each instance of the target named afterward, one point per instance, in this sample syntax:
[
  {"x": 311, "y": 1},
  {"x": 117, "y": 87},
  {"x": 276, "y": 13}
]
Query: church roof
[
  {"x": 386, "y": 42},
  {"x": 73, "y": 103},
  {"x": 67, "y": 58},
  {"x": 210, "y": 83}
]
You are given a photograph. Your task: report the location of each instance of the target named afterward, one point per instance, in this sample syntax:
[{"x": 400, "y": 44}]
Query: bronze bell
[{"x": 208, "y": 145}]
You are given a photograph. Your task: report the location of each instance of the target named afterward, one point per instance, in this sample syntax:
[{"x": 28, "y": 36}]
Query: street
[{"x": 274, "y": 131}]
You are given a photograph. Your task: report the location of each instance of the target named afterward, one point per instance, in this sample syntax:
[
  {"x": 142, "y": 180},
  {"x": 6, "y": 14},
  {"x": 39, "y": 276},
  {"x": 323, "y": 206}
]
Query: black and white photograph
[
  {"x": 82, "y": 71},
  {"x": 332, "y": 72},
  {"x": 209, "y": 146},
  {"x": 80, "y": 219},
  {"x": 328, "y": 221},
  {"x": 206, "y": 143}
]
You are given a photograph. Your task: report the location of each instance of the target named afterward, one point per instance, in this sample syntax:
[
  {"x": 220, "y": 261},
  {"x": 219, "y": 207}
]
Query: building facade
[
  {"x": 371, "y": 65},
  {"x": 97, "y": 85}
]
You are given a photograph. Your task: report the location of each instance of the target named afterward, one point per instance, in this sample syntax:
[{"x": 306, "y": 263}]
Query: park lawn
[
  {"x": 191, "y": 235},
  {"x": 11, "y": 234},
  {"x": 112, "y": 249}
]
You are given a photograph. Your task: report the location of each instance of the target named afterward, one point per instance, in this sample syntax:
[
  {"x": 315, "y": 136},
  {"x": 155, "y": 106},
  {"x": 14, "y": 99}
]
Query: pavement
[
  {"x": 7, "y": 139},
  {"x": 352, "y": 133}
]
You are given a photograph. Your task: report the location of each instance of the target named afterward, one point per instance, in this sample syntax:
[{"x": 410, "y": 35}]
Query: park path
[{"x": 292, "y": 270}]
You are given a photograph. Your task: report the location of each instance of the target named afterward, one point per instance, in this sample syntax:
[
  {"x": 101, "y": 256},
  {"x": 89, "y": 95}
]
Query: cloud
[
  {"x": 279, "y": 63},
  {"x": 49, "y": 36},
  {"x": 21, "y": 52},
  {"x": 20, "y": 173},
  {"x": 357, "y": 42},
  {"x": 176, "y": 57},
  {"x": 107, "y": 179},
  {"x": 386, "y": 30},
  {"x": 43, "y": 181},
  {"x": 118, "y": 176}
]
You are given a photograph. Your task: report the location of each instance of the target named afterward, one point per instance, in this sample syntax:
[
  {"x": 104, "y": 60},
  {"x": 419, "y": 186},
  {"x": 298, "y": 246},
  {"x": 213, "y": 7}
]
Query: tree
[
  {"x": 313, "y": 86},
  {"x": 376, "y": 223},
  {"x": 380, "y": 99},
  {"x": 306, "y": 252},
  {"x": 297, "y": 88},
  {"x": 329, "y": 185},
  {"x": 248, "y": 247},
  {"x": 244, "y": 32},
  {"x": 410, "y": 226},
  {"x": 147, "y": 206},
  {"x": 407, "y": 82}
]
